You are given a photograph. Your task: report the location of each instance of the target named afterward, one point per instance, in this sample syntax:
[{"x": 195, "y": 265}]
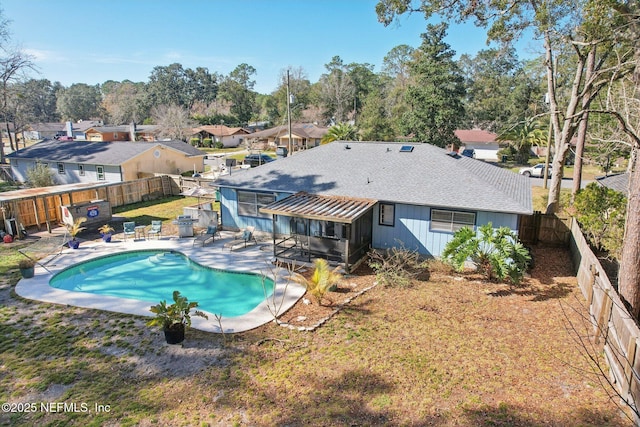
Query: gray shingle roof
[
  {"x": 378, "y": 170},
  {"x": 102, "y": 153},
  {"x": 618, "y": 182}
]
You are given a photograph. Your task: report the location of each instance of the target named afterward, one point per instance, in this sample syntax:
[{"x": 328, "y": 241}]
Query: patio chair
[
  {"x": 129, "y": 229},
  {"x": 206, "y": 235},
  {"x": 156, "y": 229},
  {"x": 242, "y": 240}
]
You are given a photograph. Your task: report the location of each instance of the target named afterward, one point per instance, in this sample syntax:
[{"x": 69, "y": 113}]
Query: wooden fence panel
[
  {"x": 614, "y": 329},
  {"x": 544, "y": 228}
]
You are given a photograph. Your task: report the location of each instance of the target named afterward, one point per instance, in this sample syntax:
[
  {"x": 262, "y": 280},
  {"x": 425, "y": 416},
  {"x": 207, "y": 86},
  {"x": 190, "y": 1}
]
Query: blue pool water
[{"x": 153, "y": 276}]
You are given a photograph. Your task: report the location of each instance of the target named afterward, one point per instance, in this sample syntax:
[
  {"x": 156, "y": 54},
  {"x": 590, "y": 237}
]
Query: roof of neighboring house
[
  {"x": 304, "y": 130},
  {"x": 220, "y": 130},
  {"x": 102, "y": 153},
  {"x": 109, "y": 129},
  {"x": 475, "y": 135},
  {"x": 427, "y": 175},
  {"x": 46, "y": 127},
  {"x": 618, "y": 182},
  {"x": 86, "y": 124}
]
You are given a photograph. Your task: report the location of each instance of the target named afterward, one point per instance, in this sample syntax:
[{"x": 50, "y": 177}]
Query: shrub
[
  {"x": 195, "y": 142},
  {"x": 601, "y": 211},
  {"x": 207, "y": 142},
  {"x": 322, "y": 280},
  {"x": 397, "y": 266},
  {"x": 40, "y": 176},
  {"x": 496, "y": 253}
]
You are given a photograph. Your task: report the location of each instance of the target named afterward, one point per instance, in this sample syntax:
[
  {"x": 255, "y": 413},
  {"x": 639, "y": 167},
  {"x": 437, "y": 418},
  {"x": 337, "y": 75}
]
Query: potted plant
[
  {"x": 106, "y": 231},
  {"x": 174, "y": 318},
  {"x": 26, "y": 267},
  {"x": 74, "y": 229}
]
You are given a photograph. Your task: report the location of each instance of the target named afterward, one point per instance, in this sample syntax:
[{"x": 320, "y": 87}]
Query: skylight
[{"x": 406, "y": 148}]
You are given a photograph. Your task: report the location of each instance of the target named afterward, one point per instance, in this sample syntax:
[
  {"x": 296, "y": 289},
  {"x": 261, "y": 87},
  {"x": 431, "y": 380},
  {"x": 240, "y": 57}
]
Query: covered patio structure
[{"x": 336, "y": 228}]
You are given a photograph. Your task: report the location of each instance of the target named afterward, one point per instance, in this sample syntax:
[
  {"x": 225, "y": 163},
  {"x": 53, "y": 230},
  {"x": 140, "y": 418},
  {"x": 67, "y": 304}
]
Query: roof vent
[
  {"x": 406, "y": 148},
  {"x": 346, "y": 147},
  {"x": 453, "y": 154}
]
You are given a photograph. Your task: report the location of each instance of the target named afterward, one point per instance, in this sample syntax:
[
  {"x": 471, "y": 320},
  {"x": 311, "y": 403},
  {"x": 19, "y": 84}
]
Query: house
[
  {"x": 83, "y": 161},
  {"x": 108, "y": 133},
  {"x": 342, "y": 198},
  {"x": 229, "y": 137},
  {"x": 618, "y": 182},
  {"x": 303, "y": 136},
  {"x": 37, "y": 131},
  {"x": 482, "y": 142}
]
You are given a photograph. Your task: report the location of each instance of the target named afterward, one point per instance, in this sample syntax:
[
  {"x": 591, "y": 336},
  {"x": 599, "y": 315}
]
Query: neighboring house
[
  {"x": 618, "y": 182},
  {"x": 83, "y": 161},
  {"x": 108, "y": 133},
  {"x": 229, "y": 137},
  {"x": 303, "y": 136},
  {"x": 79, "y": 129},
  {"x": 37, "y": 131},
  {"x": 341, "y": 198},
  {"x": 481, "y": 141}
]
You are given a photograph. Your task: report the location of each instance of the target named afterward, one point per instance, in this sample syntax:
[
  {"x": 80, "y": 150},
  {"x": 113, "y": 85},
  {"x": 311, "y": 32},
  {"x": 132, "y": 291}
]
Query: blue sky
[{"x": 92, "y": 41}]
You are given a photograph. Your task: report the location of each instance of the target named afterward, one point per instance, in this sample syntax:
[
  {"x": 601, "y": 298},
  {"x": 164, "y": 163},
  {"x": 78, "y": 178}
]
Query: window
[
  {"x": 115, "y": 135},
  {"x": 249, "y": 203},
  {"x": 61, "y": 168},
  {"x": 100, "y": 172},
  {"x": 387, "y": 213},
  {"x": 81, "y": 170},
  {"x": 451, "y": 220}
]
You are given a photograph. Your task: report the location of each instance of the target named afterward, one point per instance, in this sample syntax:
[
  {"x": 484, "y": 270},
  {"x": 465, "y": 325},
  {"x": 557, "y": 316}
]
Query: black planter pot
[
  {"x": 174, "y": 334},
  {"x": 73, "y": 244},
  {"x": 106, "y": 237}
]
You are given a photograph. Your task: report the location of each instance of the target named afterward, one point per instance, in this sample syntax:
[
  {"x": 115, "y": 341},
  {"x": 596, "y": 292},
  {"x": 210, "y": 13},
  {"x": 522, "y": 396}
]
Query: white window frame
[
  {"x": 250, "y": 202},
  {"x": 81, "y": 170},
  {"x": 451, "y": 221},
  {"x": 61, "y": 169},
  {"x": 387, "y": 214},
  {"x": 100, "y": 173}
]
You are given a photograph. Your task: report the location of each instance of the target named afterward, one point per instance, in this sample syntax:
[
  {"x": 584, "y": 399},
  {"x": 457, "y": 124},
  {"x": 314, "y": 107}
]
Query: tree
[
  {"x": 436, "y": 92},
  {"x": 337, "y": 91},
  {"x": 40, "y": 175},
  {"x": 38, "y": 98},
  {"x": 375, "y": 122},
  {"x": 79, "y": 101},
  {"x": 173, "y": 121},
  {"x": 125, "y": 102},
  {"x": 237, "y": 88},
  {"x": 522, "y": 136},
  {"x": 340, "y": 132}
]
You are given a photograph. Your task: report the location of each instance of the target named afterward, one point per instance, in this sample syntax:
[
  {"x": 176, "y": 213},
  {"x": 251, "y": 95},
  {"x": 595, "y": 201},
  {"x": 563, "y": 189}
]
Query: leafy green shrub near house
[
  {"x": 496, "y": 253},
  {"x": 195, "y": 142},
  {"x": 218, "y": 145},
  {"x": 601, "y": 211},
  {"x": 206, "y": 142}
]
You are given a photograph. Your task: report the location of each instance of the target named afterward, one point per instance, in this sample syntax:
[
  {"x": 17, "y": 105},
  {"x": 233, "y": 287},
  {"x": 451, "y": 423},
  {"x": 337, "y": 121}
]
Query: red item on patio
[{"x": 7, "y": 238}]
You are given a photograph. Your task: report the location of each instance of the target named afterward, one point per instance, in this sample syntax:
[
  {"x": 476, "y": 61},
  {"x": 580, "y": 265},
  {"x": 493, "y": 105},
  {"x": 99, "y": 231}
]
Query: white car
[{"x": 536, "y": 171}]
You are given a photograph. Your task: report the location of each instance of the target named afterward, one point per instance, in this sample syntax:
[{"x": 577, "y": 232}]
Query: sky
[{"x": 93, "y": 41}]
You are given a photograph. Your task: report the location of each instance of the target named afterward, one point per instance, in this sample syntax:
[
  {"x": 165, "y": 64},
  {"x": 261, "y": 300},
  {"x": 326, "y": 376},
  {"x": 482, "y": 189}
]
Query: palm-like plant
[
  {"x": 522, "y": 136},
  {"x": 340, "y": 132},
  {"x": 76, "y": 227},
  {"x": 496, "y": 253},
  {"x": 322, "y": 280}
]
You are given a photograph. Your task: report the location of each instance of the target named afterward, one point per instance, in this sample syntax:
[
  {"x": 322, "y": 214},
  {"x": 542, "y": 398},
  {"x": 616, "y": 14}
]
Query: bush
[
  {"x": 40, "y": 176},
  {"x": 207, "y": 142},
  {"x": 195, "y": 142},
  {"x": 219, "y": 145},
  {"x": 496, "y": 253},
  {"x": 601, "y": 212},
  {"x": 397, "y": 266}
]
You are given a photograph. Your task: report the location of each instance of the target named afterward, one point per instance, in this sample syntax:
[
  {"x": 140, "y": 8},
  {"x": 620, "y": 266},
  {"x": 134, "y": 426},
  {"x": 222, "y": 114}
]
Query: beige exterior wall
[{"x": 161, "y": 160}]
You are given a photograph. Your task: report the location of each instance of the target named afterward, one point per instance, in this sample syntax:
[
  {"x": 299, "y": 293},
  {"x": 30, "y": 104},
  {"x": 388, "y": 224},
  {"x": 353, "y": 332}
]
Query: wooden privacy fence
[
  {"x": 45, "y": 209},
  {"x": 615, "y": 331},
  {"x": 545, "y": 228}
]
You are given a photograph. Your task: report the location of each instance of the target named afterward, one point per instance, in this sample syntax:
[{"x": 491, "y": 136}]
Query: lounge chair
[
  {"x": 243, "y": 239},
  {"x": 156, "y": 229},
  {"x": 129, "y": 229},
  {"x": 206, "y": 235}
]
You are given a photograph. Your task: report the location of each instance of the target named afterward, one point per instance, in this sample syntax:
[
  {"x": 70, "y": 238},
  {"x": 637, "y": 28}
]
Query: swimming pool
[{"x": 153, "y": 275}]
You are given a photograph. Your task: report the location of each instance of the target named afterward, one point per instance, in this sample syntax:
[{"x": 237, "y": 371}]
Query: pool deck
[{"x": 249, "y": 259}]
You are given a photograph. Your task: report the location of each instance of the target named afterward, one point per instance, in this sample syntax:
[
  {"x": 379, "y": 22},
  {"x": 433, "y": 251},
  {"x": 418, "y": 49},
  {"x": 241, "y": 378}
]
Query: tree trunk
[{"x": 629, "y": 274}]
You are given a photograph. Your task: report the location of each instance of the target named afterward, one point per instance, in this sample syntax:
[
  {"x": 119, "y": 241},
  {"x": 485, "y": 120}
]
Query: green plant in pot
[
  {"x": 27, "y": 268},
  {"x": 74, "y": 229},
  {"x": 174, "y": 318},
  {"x": 106, "y": 231}
]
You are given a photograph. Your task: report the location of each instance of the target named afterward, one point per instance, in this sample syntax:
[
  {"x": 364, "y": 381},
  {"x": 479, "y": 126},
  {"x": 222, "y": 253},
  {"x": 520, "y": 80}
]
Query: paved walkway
[{"x": 250, "y": 259}]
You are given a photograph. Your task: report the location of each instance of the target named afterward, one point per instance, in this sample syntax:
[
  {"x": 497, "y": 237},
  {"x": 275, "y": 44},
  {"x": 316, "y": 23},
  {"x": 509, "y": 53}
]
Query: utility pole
[{"x": 289, "y": 115}]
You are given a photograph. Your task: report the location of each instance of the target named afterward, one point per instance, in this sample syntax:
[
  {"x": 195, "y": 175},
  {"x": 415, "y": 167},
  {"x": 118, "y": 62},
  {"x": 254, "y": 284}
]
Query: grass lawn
[{"x": 450, "y": 351}]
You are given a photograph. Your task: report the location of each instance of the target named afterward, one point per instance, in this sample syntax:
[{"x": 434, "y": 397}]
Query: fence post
[{"x": 604, "y": 315}]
